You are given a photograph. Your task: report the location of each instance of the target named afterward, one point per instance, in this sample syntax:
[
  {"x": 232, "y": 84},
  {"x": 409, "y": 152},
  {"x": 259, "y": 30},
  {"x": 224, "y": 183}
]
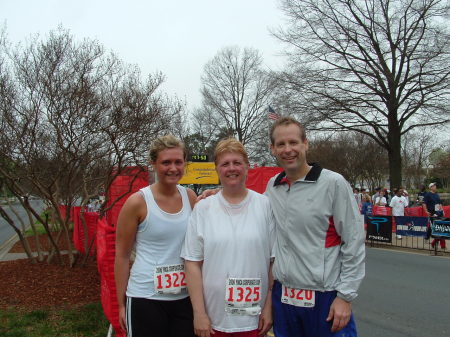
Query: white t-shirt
[
  {"x": 233, "y": 241},
  {"x": 398, "y": 204},
  {"x": 383, "y": 201}
]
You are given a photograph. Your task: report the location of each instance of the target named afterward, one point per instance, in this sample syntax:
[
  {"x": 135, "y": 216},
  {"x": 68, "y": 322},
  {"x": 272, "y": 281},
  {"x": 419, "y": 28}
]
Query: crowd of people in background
[
  {"x": 381, "y": 197},
  {"x": 398, "y": 199}
]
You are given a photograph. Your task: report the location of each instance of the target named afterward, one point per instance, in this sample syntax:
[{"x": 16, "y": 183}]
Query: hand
[
  {"x": 122, "y": 318},
  {"x": 340, "y": 312},
  {"x": 207, "y": 193},
  {"x": 202, "y": 326},
  {"x": 265, "y": 320}
]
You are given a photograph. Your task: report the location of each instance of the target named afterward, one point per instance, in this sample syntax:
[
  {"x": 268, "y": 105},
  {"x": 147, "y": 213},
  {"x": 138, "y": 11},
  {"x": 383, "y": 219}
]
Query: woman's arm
[
  {"x": 129, "y": 218},
  {"x": 202, "y": 324},
  {"x": 192, "y": 197},
  {"x": 265, "y": 319}
]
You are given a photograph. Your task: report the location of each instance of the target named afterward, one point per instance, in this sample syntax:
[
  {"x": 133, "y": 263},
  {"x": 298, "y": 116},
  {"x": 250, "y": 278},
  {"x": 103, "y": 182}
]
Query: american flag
[{"x": 272, "y": 114}]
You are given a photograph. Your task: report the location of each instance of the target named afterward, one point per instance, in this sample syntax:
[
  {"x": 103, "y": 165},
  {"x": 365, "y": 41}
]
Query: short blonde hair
[
  {"x": 165, "y": 142},
  {"x": 230, "y": 145}
]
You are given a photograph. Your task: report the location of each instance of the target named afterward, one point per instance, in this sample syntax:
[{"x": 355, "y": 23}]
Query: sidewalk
[{"x": 5, "y": 255}]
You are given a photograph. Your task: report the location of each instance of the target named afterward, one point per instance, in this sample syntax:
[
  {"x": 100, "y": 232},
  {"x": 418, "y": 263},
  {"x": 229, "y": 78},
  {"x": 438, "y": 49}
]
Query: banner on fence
[
  {"x": 411, "y": 225},
  {"x": 441, "y": 228},
  {"x": 379, "y": 228}
]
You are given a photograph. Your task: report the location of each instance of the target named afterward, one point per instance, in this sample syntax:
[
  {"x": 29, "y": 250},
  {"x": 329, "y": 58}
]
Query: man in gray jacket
[{"x": 320, "y": 252}]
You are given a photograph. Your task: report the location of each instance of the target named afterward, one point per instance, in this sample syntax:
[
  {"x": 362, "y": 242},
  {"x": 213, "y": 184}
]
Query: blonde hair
[
  {"x": 165, "y": 142},
  {"x": 230, "y": 145}
]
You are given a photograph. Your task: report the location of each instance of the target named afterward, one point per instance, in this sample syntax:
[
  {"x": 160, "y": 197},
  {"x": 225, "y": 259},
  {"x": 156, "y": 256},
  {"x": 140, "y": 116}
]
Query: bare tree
[
  {"x": 440, "y": 162},
  {"x": 73, "y": 117},
  {"x": 357, "y": 157},
  {"x": 236, "y": 95},
  {"x": 416, "y": 148},
  {"x": 378, "y": 67}
]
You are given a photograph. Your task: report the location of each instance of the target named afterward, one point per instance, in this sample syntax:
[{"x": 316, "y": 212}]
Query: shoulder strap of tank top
[
  {"x": 184, "y": 196},
  {"x": 148, "y": 196}
]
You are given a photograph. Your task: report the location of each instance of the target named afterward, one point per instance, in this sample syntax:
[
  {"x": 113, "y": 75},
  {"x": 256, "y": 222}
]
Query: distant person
[
  {"x": 405, "y": 194},
  {"x": 432, "y": 206},
  {"x": 381, "y": 199},
  {"x": 376, "y": 195},
  {"x": 152, "y": 297},
  {"x": 227, "y": 251},
  {"x": 367, "y": 205},
  {"x": 398, "y": 204},
  {"x": 421, "y": 195},
  {"x": 365, "y": 193},
  {"x": 388, "y": 194},
  {"x": 358, "y": 197}
]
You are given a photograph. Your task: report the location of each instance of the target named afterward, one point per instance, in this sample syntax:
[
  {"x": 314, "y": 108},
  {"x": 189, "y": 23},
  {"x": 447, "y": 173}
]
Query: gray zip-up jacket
[{"x": 320, "y": 233}]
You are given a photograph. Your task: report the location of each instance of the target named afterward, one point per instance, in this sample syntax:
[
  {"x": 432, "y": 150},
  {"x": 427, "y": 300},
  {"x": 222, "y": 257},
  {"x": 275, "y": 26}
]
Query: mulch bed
[{"x": 28, "y": 286}]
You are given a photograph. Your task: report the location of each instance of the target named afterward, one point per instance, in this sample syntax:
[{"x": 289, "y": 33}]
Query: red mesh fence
[
  {"x": 258, "y": 177},
  {"x": 106, "y": 237},
  {"x": 79, "y": 237}
]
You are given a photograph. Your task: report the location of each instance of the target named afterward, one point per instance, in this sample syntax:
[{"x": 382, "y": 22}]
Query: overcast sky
[{"x": 175, "y": 37}]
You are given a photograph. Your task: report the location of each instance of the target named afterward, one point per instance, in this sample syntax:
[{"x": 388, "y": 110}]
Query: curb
[{"x": 6, "y": 246}]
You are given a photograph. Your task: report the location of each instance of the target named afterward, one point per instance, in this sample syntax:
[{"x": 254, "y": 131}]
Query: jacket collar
[{"x": 312, "y": 175}]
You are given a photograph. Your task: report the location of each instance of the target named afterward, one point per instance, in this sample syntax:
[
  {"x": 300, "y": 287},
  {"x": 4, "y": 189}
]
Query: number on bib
[
  {"x": 170, "y": 279},
  {"x": 298, "y": 297},
  {"x": 242, "y": 296}
]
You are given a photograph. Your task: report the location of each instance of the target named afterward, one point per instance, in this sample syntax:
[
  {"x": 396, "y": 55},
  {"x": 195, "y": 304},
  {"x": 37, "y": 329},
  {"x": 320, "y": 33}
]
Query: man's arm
[
  {"x": 207, "y": 193},
  {"x": 349, "y": 225},
  {"x": 424, "y": 205}
]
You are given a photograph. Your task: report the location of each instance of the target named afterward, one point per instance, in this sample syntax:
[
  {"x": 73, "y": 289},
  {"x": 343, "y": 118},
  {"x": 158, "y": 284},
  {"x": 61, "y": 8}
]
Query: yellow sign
[{"x": 200, "y": 173}]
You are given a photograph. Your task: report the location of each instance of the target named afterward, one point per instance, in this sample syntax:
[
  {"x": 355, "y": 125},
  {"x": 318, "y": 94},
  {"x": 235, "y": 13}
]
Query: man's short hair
[{"x": 285, "y": 121}]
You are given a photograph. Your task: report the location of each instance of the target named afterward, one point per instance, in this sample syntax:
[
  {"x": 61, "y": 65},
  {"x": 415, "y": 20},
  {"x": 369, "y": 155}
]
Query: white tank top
[{"x": 158, "y": 242}]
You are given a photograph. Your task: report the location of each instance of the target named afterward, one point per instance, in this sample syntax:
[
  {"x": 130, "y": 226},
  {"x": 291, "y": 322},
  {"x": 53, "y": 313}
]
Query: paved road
[
  {"x": 6, "y": 231},
  {"x": 404, "y": 295}
]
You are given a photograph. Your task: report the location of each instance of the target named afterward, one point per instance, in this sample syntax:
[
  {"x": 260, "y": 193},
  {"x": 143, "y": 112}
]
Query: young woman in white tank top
[{"x": 152, "y": 296}]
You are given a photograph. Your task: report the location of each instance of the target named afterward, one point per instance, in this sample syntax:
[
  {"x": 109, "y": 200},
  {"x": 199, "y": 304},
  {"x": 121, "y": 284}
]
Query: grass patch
[
  {"x": 39, "y": 229},
  {"x": 83, "y": 321}
]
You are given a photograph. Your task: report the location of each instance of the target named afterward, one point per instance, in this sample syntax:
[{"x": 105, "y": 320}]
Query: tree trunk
[
  {"x": 85, "y": 229},
  {"x": 26, "y": 247},
  {"x": 395, "y": 159},
  {"x": 21, "y": 237},
  {"x": 47, "y": 229},
  {"x": 36, "y": 236}
]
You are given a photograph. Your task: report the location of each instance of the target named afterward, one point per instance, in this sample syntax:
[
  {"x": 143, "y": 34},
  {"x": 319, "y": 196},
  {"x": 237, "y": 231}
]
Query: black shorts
[{"x": 155, "y": 318}]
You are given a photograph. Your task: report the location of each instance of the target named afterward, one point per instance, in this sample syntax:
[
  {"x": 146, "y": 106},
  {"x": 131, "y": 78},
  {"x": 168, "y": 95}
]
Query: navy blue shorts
[{"x": 292, "y": 321}]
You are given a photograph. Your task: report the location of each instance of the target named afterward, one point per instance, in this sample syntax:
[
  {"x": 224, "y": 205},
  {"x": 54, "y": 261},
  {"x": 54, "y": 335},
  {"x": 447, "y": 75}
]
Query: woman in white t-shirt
[{"x": 228, "y": 251}]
